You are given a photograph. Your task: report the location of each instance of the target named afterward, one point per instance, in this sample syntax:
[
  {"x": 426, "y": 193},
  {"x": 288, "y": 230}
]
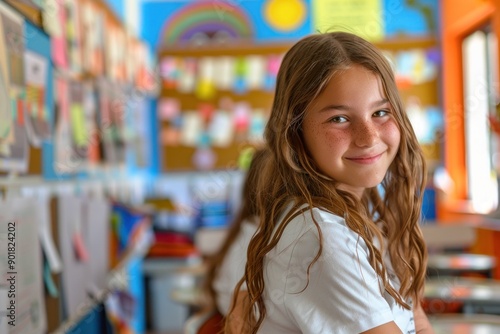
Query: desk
[
  {"x": 478, "y": 295},
  {"x": 465, "y": 324},
  {"x": 460, "y": 264}
]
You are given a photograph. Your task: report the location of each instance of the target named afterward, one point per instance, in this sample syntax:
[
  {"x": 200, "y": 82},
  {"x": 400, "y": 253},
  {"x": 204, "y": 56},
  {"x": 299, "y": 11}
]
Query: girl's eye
[
  {"x": 380, "y": 113},
  {"x": 338, "y": 119}
]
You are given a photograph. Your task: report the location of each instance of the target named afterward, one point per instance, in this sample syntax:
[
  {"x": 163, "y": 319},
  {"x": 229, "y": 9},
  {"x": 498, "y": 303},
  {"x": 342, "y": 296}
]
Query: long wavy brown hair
[
  {"x": 247, "y": 210},
  {"x": 291, "y": 175}
]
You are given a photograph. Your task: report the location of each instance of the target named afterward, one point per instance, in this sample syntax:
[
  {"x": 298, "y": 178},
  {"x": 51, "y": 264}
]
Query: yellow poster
[{"x": 361, "y": 17}]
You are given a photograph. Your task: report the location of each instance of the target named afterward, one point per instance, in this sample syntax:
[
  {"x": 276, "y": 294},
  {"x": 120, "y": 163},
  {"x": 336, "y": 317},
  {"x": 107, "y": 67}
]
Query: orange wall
[{"x": 459, "y": 19}]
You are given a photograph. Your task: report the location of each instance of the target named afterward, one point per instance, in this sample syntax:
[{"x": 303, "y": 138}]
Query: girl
[
  {"x": 339, "y": 248},
  {"x": 226, "y": 268}
]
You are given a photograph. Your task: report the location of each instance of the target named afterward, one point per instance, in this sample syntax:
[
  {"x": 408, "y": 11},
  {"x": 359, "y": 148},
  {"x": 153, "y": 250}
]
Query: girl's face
[{"x": 350, "y": 130}]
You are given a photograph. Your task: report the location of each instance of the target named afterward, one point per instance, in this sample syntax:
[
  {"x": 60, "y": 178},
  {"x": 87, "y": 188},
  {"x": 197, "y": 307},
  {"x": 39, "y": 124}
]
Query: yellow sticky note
[{"x": 78, "y": 125}]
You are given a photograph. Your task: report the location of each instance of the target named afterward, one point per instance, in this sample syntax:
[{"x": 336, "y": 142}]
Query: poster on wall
[
  {"x": 92, "y": 22},
  {"x": 37, "y": 117},
  {"x": 363, "y": 18},
  {"x": 411, "y": 18},
  {"x": 39, "y": 86},
  {"x": 5, "y": 107},
  {"x": 201, "y": 22},
  {"x": 14, "y": 150}
]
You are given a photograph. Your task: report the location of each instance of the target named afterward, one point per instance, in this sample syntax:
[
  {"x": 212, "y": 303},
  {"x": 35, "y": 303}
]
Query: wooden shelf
[{"x": 235, "y": 49}]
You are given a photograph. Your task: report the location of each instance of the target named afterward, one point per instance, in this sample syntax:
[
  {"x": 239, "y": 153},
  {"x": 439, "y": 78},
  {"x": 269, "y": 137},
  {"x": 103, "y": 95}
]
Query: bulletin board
[
  {"x": 176, "y": 155},
  {"x": 417, "y": 62}
]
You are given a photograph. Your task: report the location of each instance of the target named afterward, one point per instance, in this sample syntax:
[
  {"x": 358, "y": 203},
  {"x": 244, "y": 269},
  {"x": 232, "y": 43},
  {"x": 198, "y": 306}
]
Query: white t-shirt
[
  {"x": 233, "y": 267},
  {"x": 343, "y": 294}
]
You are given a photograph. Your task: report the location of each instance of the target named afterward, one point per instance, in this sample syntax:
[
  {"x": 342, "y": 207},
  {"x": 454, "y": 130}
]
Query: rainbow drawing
[{"x": 207, "y": 17}]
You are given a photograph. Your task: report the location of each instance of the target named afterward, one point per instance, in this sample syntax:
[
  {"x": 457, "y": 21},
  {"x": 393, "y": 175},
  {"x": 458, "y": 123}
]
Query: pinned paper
[
  {"x": 192, "y": 125},
  {"x": 206, "y": 89},
  {"x": 273, "y": 65},
  {"x": 241, "y": 116},
  {"x": 225, "y": 69},
  {"x": 79, "y": 246},
  {"x": 37, "y": 122},
  {"x": 204, "y": 159},
  {"x": 241, "y": 68},
  {"x": 221, "y": 129},
  {"x": 168, "y": 109},
  {"x": 206, "y": 111},
  {"x": 168, "y": 72},
  {"x": 187, "y": 81},
  {"x": 78, "y": 125},
  {"x": 49, "y": 282},
  {"x": 256, "y": 73},
  {"x": 170, "y": 136},
  {"x": 47, "y": 243},
  {"x": 257, "y": 126}
]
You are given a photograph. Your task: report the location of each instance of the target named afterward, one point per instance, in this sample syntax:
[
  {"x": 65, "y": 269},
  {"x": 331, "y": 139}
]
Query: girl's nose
[{"x": 366, "y": 134}]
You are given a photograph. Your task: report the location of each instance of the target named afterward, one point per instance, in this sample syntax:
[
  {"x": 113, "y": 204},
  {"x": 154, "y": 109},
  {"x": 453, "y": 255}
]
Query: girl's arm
[
  {"x": 388, "y": 328},
  {"x": 235, "y": 318},
  {"x": 422, "y": 324}
]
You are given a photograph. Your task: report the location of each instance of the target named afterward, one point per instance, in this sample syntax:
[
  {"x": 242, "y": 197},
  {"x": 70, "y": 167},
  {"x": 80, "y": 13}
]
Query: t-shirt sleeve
[{"x": 343, "y": 293}]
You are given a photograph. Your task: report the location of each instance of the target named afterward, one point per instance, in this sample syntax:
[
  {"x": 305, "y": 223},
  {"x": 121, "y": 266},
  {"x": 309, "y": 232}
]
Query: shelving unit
[{"x": 179, "y": 157}]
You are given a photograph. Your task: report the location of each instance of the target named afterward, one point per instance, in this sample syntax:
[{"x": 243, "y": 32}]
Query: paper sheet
[
  {"x": 98, "y": 222},
  {"x": 18, "y": 229},
  {"x": 76, "y": 273}
]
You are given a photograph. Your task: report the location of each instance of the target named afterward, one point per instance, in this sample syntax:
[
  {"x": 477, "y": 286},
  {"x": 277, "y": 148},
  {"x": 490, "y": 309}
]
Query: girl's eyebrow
[{"x": 375, "y": 104}]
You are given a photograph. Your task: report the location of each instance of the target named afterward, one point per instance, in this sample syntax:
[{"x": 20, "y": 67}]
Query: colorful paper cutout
[{"x": 285, "y": 15}]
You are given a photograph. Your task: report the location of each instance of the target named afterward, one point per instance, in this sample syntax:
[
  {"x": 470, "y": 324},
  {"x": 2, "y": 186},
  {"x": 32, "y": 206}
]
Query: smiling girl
[{"x": 338, "y": 248}]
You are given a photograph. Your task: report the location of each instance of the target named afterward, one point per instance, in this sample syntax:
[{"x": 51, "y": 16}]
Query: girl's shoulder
[
  {"x": 302, "y": 225},
  {"x": 305, "y": 215}
]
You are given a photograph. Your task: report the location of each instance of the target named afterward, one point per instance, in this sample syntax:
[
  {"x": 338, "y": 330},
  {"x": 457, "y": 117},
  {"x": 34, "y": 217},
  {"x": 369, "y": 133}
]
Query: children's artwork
[
  {"x": 205, "y": 89},
  {"x": 285, "y": 15},
  {"x": 37, "y": 115},
  {"x": 115, "y": 52},
  {"x": 363, "y": 18},
  {"x": 39, "y": 85},
  {"x": 168, "y": 109},
  {"x": 5, "y": 107},
  {"x": 221, "y": 129},
  {"x": 192, "y": 125},
  {"x": 137, "y": 130},
  {"x": 225, "y": 69},
  {"x": 187, "y": 79},
  {"x": 19, "y": 225},
  {"x": 427, "y": 121},
  {"x": 14, "y": 157},
  {"x": 415, "y": 67},
  {"x": 256, "y": 74},
  {"x": 67, "y": 159},
  {"x": 92, "y": 21},
  {"x": 73, "y": 35},
  {"x": 111, "y": 122},
  {"x": 77, "y": 117},
  {"x": 257, "y": 125},
  {"x": 411, "y": 18},
  {"x": 14, "y": 150},
  {"x": 90, "y": 115},
  {"x": 204, "y": 22},
  {"x": 54, "y": 21}
]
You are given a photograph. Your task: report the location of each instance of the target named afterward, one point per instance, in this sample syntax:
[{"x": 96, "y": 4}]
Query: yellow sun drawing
[{"x": 285, "y": 15}]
